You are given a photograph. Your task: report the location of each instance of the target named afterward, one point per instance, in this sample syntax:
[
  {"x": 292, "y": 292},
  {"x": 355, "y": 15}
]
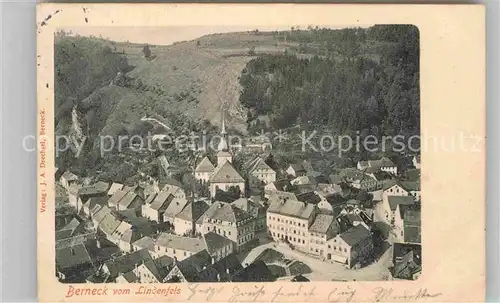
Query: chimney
[
  {"x": 175, "y": 260},
  {"x": 213, "y": 260}
]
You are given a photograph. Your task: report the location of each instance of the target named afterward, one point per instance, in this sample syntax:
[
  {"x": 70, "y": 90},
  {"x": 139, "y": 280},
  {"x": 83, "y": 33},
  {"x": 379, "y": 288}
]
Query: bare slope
[{"x": 197, "y": 78}]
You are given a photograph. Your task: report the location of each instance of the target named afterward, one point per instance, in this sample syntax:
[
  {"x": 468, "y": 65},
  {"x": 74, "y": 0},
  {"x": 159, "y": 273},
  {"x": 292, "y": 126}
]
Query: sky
[{"x": 163, "y": 35}]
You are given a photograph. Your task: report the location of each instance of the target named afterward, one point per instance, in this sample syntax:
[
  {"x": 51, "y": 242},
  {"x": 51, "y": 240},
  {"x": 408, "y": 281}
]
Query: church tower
[{"x": 223, "y": 153}]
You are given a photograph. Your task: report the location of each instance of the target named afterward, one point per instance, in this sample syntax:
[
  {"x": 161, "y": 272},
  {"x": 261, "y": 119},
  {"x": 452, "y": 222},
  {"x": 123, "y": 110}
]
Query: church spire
[
  {"x": 223, "y": 146},
  {"x": 223, "y": 128}
]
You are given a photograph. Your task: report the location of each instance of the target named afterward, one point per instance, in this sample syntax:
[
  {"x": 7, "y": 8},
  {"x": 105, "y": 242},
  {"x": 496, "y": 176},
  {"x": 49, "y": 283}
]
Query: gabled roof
[
  {"x": 72, "y": 256},
  {"x": 226, "y": 174},
  {"x": 214, "y": 242},
  {"x": 281, "y": 185},
  {"x": 159, "y": 267},
  {"x": 255, "y": 272},
  {"x": 101, "y": 213},
  {"x": 258, "y": 164},
  {"x": 129, "y": 199},
  {"x": 120, "y": 231},
  {"x": 69, "y": 176},
  {"x": 411, "y": 216},
  {"x": 193, "y": 211},
  {"x": 109, "y": 224},
  {"x": 322, "y": 223},
  {"x": 117, "y": 196},
  {"x": 290, "y": 207},
  {"x": 161, "y": 201},
  {"x": 114, "y": 187},
  {"x": 101, "y": 186},
  {"x": 93, "y": 201},
  {"x": 193, "y": 265},
  {"x": 297, "y": 167},
  {"x": 225, "y": 212},
  {"x": 193, "y": 245},
  {"x": 175, "y": 207},
  {"x": 394, "y": 201},
  {"x": 407, "y": 260},
  {"x": 144, "y": 242},
  {"x": 410, "y": 185},
  {"x": 130, "y": 277},
  {"x": 221, "y": 270},
  {"x": 355, "y": 235},
  {"x": 126, "y": 263},
  {"x": 205, "y": 166}
]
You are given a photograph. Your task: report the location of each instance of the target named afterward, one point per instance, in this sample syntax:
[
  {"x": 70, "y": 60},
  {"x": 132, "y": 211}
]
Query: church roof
[
  {"x": 205, "y": 166},
  {"x": 226, "y": 173}
]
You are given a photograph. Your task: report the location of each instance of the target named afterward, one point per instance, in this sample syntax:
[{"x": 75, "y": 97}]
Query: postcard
[{"x": 261, "y": 153}]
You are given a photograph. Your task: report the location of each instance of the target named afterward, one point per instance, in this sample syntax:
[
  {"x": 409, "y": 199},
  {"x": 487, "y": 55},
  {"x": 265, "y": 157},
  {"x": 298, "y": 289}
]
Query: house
[
  {"x": 383, "y": 164},
  {"x": 156, "y": 204},
  {"x": 116, "y": 197},
  {"x": 280, "y": 185},
  {"x": 352, "y": 247},
  {"x": 224, "y": 177},
  {"x": 177, "y": 247},
  {"x": 255, "y": 209},
  {"x": 72, "y": 191},
  {"x": 321, "y": 230},
  {"x": 390, "y": 203},
  {"x": 101, "y": 186},
  {"x": 289, "y": 220},
  {"x": 92, "y": 202},
  {"x": 108, "y": 226},
  {"x": 229, "y": 221},
  {"x": 407, "y": 261},
  {"x": 69, "y": 230},
  {"x": 68, "y": 178},
  {"x": 114, "y": 187},
  {"x": 131, "y": 201},
  {"x": 255, "y": 272},
  {"x": 184, "y": 222},
  {"x": 153, "y": 271},
  {"x": 173, "y": 209},
  {"x": 85, "y": 193},
  {"x": 204, "y": 170},
  {"x": 118, "y": 233},
  {"x": 188, "y": 270},
  {"x": 296, "y": 170},
  {"x": 259, "y": 172},
  {"x": 99, "y": 213},
  {"x": 402, "y": 188},
  {"x": 126, "y": 263},
  {"x": 407, "y": 225},
  {"x": 218, "y": 246},
  {"x": 73, "y": 263},
  {"x": 416, "y": 161},
  {"x": 143, "y": 243},
  {"x": 167, "y": 167},
  {"x": 220, "y": 270},
  {"x": 128, "y": 277},
  {"x": 303, "y": 180}
]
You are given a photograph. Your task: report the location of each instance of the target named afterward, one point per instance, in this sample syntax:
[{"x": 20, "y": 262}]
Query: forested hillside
[{"x": 359, "y": 79}]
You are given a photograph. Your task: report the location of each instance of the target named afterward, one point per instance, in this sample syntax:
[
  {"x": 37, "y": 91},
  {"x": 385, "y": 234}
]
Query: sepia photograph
[{"x": 237, "y": 153}]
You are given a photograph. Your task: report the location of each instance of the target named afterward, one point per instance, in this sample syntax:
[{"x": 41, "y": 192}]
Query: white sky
[{"x": 164, "y": 35}]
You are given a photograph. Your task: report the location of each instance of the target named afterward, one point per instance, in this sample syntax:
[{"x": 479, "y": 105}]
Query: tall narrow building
[{"x": 223, "y": 154}]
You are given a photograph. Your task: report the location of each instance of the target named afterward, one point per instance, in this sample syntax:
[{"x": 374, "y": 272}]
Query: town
[{"x": 257, "y": 221}]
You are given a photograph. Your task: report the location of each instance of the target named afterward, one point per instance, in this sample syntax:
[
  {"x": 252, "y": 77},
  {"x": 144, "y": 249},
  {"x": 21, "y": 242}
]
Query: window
[
  {"x": 335, "y": 248},
  {"x": 174, "y": 251},
  {"x": 329, "y": 246},
  {"x": 345, "y": 250},
  {"x": 303, "y": 241},
  {"x": 229, "y": 232},
  {"x": 185, "y": 254}
]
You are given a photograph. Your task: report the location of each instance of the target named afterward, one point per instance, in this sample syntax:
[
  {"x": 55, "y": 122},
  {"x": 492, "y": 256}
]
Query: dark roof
[
  {"x": 193, "y": 265},
  {"x": 410, "y": 185},
  {"x": 72, "y": 256},
  {"x": 255, "y": 272},
  {"x": 355, "y": 235},
  {"x": 215, "y": 242},
  {"x": 159, "y": 267},
  {"x": 126, "y": 263},
  {"x": 221, "y": 270},
  {"x": 298, "y": 167},
  {"x": 130, "y": 277},
  {"x": 193, "y": 211},
  {"x": 411, "y": 222},
  {"x": 309, "y": 197},
  {"x": 394, "y": 201},
  {"x": 407, "y": 260},
  {"x": 253, "y": 208},
  {"x": 281, "y": 184},
  {"x": 300, "y": 278}
]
